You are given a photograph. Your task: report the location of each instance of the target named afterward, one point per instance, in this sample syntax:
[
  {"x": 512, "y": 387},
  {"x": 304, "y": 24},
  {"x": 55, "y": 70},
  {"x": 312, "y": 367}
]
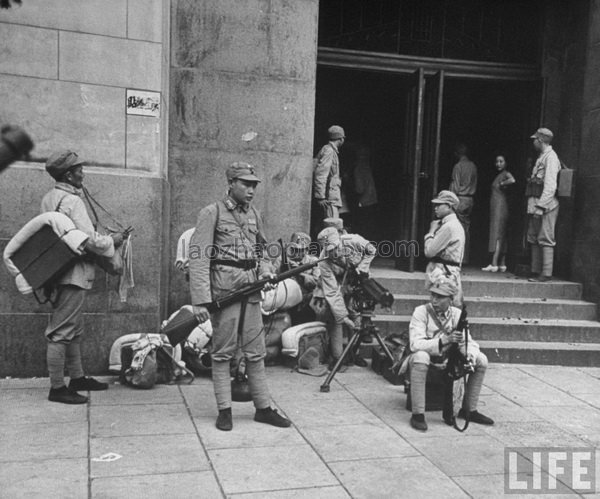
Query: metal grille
[{"x": 479, "y": 30}]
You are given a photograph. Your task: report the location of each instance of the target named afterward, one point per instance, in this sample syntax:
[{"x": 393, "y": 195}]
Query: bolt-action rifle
[{"x": 177, "y": 330}]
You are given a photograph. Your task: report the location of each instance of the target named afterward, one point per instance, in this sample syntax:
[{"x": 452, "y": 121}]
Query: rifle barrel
[{"x": 254, "y": 287}]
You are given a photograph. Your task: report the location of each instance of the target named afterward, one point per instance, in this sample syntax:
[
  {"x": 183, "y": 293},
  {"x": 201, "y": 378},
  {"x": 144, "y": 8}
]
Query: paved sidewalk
[{"x": 352, "y": 442}]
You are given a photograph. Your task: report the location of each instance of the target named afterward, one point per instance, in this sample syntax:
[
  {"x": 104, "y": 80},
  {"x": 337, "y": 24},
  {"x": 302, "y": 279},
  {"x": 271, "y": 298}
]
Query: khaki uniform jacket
[
  {"x": 546, "y": 168},
  {"x": 310, "y": 278},
  {"x": 66, "y": 199},
  {"x": 225, "y": 231},
  {"x": 447, "y": 241},
  {"x": 424, "y": 333},
  {"x": 356, "y": 253},
  {"x": 326, "y": 177}
]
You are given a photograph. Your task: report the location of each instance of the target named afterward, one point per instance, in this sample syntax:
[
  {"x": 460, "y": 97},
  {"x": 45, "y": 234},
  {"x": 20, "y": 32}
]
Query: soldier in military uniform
[
  {"x": 223, "y": 259},
  {"x": 542, "y": 206},
  {"x": 327, "y": 197},
  {"x": 297, "y": 255},
  {"x": 445, "y": 243},
  {"x": 432, "y": 330},
  {"x": 348, "y": 252}
]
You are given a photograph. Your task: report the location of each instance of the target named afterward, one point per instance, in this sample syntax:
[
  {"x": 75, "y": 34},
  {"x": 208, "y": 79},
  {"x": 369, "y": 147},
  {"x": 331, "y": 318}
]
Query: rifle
[
  {"x": 179, "y": 328},
  {"x": 458, "y": 364},
  {"x": 458, "y": 367}
]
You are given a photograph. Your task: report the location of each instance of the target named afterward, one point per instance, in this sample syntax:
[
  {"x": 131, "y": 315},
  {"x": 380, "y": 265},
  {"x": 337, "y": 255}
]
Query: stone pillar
[
  {"x": 242, "y": 88},
  {"x": 585, "y": 261}
]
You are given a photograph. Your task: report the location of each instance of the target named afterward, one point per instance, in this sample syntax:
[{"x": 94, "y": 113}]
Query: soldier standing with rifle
[{"x": 223, "y": 259}]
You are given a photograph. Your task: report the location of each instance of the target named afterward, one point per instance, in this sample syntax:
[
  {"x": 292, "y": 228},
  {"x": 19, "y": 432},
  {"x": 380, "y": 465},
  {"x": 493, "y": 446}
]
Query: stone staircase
[{"x": 513, "y": 320}]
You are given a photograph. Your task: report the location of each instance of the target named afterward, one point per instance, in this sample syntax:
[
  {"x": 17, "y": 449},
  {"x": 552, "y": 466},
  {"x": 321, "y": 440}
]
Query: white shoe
[
  {"x": 490, "y": 268},
  {"x": 502, "y": 268}
]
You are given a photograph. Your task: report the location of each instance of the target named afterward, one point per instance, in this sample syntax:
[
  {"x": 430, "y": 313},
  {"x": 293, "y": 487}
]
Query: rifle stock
[{"x": 180, "y": 327}]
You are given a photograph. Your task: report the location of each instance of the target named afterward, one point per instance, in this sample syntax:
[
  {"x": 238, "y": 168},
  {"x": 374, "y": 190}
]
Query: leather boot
[{"x": 225, "y": 420}]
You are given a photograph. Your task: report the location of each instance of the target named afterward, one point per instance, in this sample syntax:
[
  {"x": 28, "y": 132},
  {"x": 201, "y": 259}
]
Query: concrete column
[{"x": 242, "y": 88}]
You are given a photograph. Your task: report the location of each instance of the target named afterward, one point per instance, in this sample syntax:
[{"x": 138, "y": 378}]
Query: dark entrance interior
[{"x": 489, "y": 115}]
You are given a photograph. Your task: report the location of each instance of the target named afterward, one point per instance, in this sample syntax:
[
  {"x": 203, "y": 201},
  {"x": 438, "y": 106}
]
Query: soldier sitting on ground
[
  {"x": 432, "y": 331},
  {"x": 297, "y": 255}
]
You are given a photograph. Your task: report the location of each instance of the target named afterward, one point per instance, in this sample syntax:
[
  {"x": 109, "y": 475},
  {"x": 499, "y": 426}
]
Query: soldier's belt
[
  {"x": 437, "y": 259},
  {"x": 238, "y": 264}
]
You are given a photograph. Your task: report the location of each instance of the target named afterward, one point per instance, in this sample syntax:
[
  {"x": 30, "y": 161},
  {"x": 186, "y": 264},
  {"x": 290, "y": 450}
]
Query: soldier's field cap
[
  {"x": 242, "y": 171},
  {"x": 543, "y": 134},
  {"x": 443, "y": 286},
  {"x": 446, "y": 197},
  {"x": 61, "y": 162},
  {"x": 336, "y": 132},
  {"x": 300, "y": 240},
  {"x": 329, "y": 238},
  {"x": 336, "y": 223}
]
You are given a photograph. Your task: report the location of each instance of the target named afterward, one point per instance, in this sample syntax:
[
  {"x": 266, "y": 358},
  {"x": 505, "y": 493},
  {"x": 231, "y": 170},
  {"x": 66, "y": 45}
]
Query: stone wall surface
[
  {"x": 65, "y": 68},
  {"x": 242, "y": 89},
  {"x": 586, "y": 265},
  {"x": 132, "y": 200}
]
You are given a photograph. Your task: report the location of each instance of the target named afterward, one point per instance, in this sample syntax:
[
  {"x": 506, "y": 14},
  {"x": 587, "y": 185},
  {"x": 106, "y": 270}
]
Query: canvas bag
[
  {"x": 317, "y": 340},
  {"x": 149, "y": 361},
  {"x": 565, "y": 181},
  {"x": 139, "y": 366}
]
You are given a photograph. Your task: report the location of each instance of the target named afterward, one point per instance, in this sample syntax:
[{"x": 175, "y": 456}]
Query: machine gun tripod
[{"x": 364, "y": 295}]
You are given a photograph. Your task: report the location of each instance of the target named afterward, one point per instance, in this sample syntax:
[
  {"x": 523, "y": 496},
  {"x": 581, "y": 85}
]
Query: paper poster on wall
[{"x": 143, "y": 103}]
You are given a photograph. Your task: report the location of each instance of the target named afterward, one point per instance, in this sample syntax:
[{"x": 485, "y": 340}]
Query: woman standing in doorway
[{"x": 499, "y": 216}]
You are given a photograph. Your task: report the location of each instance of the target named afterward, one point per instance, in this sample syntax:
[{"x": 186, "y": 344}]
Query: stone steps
[
  {"x": 490, "y": 329},
  {"x": 538, "y": 352},
  {"x": 481, "y": 284},
  {"x": 513, "y": 320},
  {"x": 513, "y": 307}
]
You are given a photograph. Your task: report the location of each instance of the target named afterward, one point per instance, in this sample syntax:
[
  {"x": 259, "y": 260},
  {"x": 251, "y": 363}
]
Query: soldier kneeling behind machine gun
[{"x": 363, "y": 295}]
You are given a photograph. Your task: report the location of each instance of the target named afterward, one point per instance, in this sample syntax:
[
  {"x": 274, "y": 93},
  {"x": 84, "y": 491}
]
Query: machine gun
[
  {"x": 178, "y": 329},
  {"x": 365, "y": 294}
]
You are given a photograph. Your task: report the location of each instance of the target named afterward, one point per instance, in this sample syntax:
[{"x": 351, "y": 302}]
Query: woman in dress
[{"x": 499, "y": 216}]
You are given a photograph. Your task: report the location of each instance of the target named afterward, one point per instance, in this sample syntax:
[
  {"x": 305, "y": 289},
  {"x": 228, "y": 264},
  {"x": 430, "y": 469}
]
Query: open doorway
[
  {"x": 490, "y": 117},
  {"x": 367, "y": 106},
  {"x": 489, "y": 114}
]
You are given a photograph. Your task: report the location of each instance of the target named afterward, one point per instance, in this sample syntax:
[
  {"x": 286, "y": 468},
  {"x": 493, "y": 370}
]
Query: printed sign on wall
[{"x": 143, "y": 103}]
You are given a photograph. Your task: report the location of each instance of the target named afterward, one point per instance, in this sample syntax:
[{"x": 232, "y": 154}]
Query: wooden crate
[{"x": 43, "y": 257}]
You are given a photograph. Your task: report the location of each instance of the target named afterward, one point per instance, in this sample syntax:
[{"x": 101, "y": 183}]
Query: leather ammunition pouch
[{"x": 534, "y": 187}]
